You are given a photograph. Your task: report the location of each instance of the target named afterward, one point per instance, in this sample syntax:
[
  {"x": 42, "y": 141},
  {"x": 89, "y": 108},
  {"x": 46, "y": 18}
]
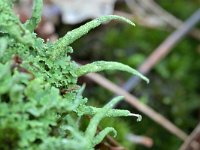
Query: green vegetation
[{"x": 41, "y": 105}]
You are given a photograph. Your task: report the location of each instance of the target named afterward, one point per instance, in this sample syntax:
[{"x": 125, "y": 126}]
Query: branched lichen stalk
[
  {"x": 89, "y": 110},
  {"x": 11, "y": 25},
  {"x": 92, "y": 127},
  {"x": 101, "y": 135},
  {"x": 75, "y": 34},
  {"x": 33, "y": 22},
  {"x": 40, "y": 102},
  {"x": 104, "y": 65}
]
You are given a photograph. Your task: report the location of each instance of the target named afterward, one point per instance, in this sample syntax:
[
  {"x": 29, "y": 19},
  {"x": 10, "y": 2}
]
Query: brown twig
[
  {"x": 138, "y": 139},
  {"x": 163, "y": 49},
  {"x": 193, "y": 140},
  {"x": 169, "y": 43},
  {"x": 149, "y": 12}
]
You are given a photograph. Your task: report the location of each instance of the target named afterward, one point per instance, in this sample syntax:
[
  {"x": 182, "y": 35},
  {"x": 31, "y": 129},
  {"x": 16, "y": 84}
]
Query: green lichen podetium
[{"x": 38, "y": 108}]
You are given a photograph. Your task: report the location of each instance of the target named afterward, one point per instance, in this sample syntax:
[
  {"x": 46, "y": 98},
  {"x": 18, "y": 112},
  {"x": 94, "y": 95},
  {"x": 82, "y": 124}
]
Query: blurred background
[{"x": 174, "y": 89}]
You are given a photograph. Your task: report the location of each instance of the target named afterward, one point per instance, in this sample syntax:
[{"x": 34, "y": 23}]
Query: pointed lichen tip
[
  {"x": 119, "y": 18},
  {"x": 131, "y": 23},
  {"x": 114, "y": 101},
  {"x": 127, "y": 20},
  {"x": 83, "y": 86},
  {"x": 119, "y": 98},
  {"x": 139, "y": 117},
  {"x": 146, "y": 79}
]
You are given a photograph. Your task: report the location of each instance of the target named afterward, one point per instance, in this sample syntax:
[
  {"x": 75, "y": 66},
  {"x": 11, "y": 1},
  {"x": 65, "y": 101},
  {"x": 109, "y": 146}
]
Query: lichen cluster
[{"x": 41, "y": 104}]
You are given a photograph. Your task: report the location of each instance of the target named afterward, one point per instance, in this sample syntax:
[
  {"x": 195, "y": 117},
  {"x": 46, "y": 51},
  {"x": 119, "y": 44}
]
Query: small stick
[
  {"x": 193, "y": 140},
  {"x": 162, "y": 50}
]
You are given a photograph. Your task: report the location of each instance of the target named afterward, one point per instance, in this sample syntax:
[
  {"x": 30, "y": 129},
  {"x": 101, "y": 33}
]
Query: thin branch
[
  {"x": 149, "y": 12},
  {"x": 193, "y": 140},
  {"x": 138, "y": 139},
  {"x": 33, "y": 22},
  {"x": 163, "y": 49}
]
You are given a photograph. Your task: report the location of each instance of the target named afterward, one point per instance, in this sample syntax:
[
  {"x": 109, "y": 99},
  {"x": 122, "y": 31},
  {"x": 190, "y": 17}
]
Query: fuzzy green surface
[{"x": 33, "y": 75}]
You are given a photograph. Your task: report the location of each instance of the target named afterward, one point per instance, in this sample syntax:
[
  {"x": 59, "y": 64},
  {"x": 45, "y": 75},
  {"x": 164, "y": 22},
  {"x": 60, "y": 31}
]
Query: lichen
[{"x": 39, "y": 94}]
